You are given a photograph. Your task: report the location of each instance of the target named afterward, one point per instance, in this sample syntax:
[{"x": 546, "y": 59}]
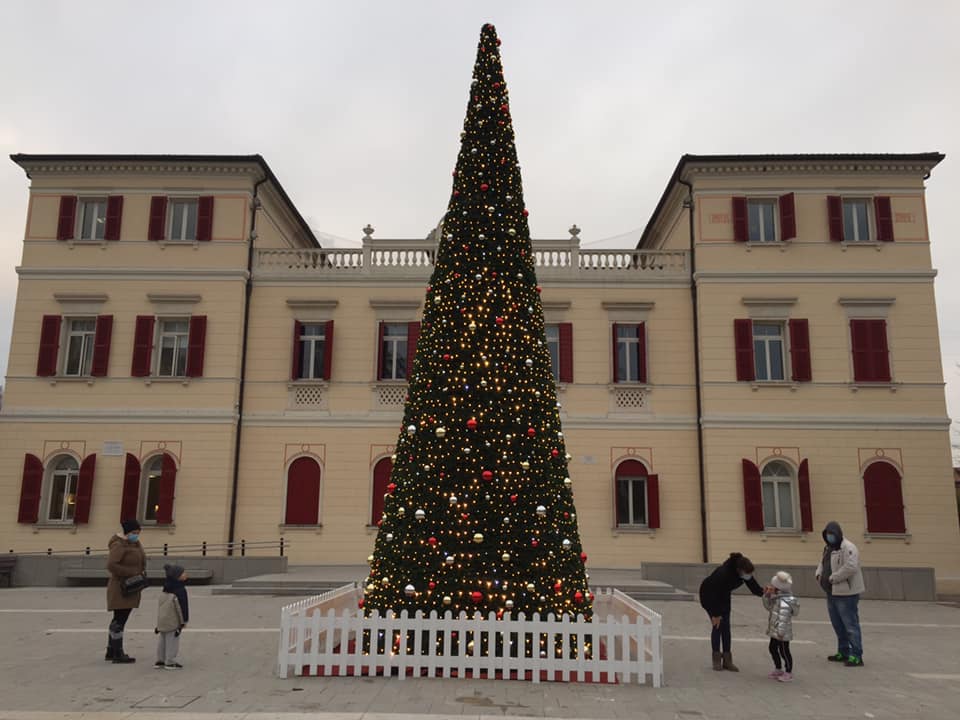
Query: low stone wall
[
  {"x": 49, "y": 570},
  {"x": 882, "y": 583}
]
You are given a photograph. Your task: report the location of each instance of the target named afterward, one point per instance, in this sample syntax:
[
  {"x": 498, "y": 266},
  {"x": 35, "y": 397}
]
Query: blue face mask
[
  {"x": 133, "y": 537},
  {"x": 831, "y": 538},
  {"x": 746, "y": 577}
]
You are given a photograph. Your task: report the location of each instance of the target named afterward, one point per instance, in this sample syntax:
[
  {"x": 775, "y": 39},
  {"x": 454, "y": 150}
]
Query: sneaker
[
  {"x": 854, "y": 661},
  {"x": 786, "y": 677},
  {"x": 775, "y": 674},
  {"x": 172, "y": 666},
  {"x": 158, "y": 664},
  {"x": 839, "y": 657}
]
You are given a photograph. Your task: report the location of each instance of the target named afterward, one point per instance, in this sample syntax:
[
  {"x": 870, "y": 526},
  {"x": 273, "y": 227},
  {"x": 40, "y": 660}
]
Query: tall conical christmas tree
[{"x": 479, "y": 511}]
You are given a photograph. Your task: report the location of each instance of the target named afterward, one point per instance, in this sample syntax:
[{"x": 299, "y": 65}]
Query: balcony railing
[{"x": 414, "y": 259}]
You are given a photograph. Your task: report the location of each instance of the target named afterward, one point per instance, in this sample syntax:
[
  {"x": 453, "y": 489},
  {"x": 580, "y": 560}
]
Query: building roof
[
  {"x": 23, "y": 160},
  {"x": 929, "y": 159}
]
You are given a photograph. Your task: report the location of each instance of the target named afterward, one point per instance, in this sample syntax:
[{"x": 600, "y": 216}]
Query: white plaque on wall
[{"x": 112, "y": 447}]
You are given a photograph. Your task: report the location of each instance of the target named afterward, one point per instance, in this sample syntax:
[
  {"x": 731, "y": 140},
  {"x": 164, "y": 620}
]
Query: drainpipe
[
  {"x": 247, "y": 292},
  {"x": 688, "y": 203}
]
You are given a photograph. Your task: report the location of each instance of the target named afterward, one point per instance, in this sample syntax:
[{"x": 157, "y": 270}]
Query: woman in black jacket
[{"x": 715, "y": 599}]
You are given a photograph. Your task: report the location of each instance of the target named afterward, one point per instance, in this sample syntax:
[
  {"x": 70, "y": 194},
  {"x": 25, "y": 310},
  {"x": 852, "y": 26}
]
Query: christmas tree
[{"x": 479, "y": 512}]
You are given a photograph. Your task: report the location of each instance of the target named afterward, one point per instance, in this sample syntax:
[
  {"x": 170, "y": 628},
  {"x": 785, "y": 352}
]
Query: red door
[
  {"x": 303, "y": 492},
  {"x": 381, "y": 478}
]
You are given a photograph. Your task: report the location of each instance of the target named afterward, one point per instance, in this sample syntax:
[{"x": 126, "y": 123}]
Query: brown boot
[
  {"x": 717, "y": 661},
  {"x": 728, "y": 663}
]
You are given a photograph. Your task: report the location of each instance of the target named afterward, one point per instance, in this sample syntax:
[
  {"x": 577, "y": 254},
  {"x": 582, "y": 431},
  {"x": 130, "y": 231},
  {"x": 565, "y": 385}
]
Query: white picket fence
[{"x": 327, "y": 635}]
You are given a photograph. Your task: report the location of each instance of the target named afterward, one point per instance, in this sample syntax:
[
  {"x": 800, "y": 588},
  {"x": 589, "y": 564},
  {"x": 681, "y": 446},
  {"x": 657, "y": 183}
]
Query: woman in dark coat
[
  {"x": 126, "y": 558},
  {"x": 715, "y": 599}
]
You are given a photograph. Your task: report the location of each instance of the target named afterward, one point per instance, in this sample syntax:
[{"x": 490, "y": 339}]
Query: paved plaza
[{"x": 52, "y": 668}]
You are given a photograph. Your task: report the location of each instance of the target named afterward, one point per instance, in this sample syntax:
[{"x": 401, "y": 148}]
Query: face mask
[
  {"x": 831, "y": 538},
  {"x": 133, "y": 537},
  {"x": 746, "y": 577}
]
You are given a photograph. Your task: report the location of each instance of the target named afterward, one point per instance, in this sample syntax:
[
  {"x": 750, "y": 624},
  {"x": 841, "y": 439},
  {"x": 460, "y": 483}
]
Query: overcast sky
[{"x": 357, "y": 106}]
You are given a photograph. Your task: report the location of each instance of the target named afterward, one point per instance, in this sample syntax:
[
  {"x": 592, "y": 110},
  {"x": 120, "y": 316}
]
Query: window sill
[
  {"x": 780, "y": 244},
  {"x": 284, "y": 528},
  {"x": 858, "y": 385},
  {"x": 154, "y": 527},
  {"x": 862, "y": 243},
  {"x": 166, "y": 380},
  {"x": 906, "y": 538},
  {"x": 307, "y": 382},
  {"x": 89, "y": 380},
  {"x": 757, "y": 384},
  {"x": 102, "y": 244},
  {"x": 633, "y": 530},
  {"x": 71, "y": 526},
  {"x": 784, "y": 533},
  {"x": 162, "y": 244}
]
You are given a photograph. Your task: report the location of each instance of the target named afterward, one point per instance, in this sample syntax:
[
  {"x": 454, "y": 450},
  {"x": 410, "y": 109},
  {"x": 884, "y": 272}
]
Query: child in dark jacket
[
  {"x": 715, "y": 599},
  {"x": 173, "y": 613}
]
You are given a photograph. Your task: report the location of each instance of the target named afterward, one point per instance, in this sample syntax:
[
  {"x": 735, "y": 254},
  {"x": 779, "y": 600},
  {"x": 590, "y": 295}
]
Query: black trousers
[
  {"x": 721, "y": 635},
  {"x": 119, "y": 621},
  {"x": 781, "y": 649}
]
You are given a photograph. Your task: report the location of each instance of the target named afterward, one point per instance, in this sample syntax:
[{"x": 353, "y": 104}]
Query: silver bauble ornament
[{"x": 541, "y": 511}]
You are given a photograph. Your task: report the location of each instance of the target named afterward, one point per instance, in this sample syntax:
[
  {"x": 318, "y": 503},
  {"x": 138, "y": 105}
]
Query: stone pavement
[{"x": 51, "y": 668}]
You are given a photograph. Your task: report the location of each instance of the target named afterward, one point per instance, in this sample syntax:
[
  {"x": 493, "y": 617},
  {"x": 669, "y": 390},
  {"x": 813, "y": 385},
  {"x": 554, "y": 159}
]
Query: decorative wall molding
[
  {"x": 80, "y": 298},
  {"x": 312, "y": 304},
  {"x": 866, "y": 301},
  {"x": 173, "y": 299}
]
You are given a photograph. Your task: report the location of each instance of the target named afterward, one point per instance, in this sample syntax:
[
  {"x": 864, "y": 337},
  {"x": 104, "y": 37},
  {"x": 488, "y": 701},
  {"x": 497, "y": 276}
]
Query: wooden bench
[
  {"x": 7, "y": 564},
  {"x": 156, "y": 576}
]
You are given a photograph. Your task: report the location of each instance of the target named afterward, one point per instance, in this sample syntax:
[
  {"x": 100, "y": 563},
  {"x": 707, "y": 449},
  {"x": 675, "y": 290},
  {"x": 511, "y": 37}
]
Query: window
[
  {"x": 80, "y": 341},
  {"x": 883, "y": 494},
  {"x": 871, "y": 355},
  {"x": 381, "y": 478},
  {"x": 173, "y": 344},
  {"x": 152, "y": 477},
  {"x": 768, "y": 355},
  {"x": 778, "y": 505},
  {"x": 629, "y": 359},
  {"x": 64, "y": 478},
  {"x": 183, "y": 219},
  {"x": 761, "y": 222},
  {"x": 303, "y": 492},
  {"x": 397, "y": 348},
  {"x": 93, "y": 219},
  {"x": 856, "y": 225},
  {"x": 553, "y": 346},
  {"x": 631, "y": 493},
  {"x": 311, "y": 340}
]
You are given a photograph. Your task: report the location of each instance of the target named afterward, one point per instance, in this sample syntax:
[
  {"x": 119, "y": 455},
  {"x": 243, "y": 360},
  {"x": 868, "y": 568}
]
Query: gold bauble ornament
[
  {"x": 525, "y": 465},
  {"x": 505, "y": 557},
  {"x": 447, "y": 600},
  {"x": 531, "y": 587},
  {"x": 440, "y": 432},
  {"x": 449, "y": 560},
  {"x": 478, "y": 538}
]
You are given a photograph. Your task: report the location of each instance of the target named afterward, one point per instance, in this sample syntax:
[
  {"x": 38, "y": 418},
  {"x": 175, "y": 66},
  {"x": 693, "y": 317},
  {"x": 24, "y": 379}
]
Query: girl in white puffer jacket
[{"x": 780, "y": 602}]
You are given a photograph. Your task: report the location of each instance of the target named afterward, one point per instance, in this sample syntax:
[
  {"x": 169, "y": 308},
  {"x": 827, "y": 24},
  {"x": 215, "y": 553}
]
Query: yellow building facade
[{"x": 765, "y": 360}]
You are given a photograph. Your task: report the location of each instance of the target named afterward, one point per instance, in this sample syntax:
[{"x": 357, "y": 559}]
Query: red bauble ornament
[
  {"x": 539, "y": 289},
  {"x": 501, "y": 122},
  {"x": 465, "y": 246},
  {"x": 487, "y": 475},
  {"x": 566, "y": 516},
  {"x": 441, "y": 476},
  {"x": 504, "y": 107},
  {"x": 526, "y": 213},
  {"x": 578, "y": 596},
  {"x": 494, "y": 273},
  {"x": 590, "y": 595},
  {"x": 360, "y": 603},
  {"x": 380, "y": 522},
  {"x": 531, "y": 432},
  {"x": 391, "y": 487},
  {"x": 499, "y": 321},
  {"x": 484, "y": 187},
  {"x": 499, "y": 614},
  {"x": 554, "y": 452},
  {"x": 557, "y": 587},
  {"x": 472, "y": 424},
  {"x": 432, "y": 541},
  {"x": 583, "y": 557},
  {"x": 456, "y": 275},
  {"x": 456, "y": 193},
  {"x": 446, "y": 356},
  {"x": 534, "y": 543},
  {"x": 513, "y": 498},
  {"x": 498, "y": 42},
  {"x": 496, "y": 84},
  {"x": 431, "y": 584},
  {"x": 476, "y": 596},
  {"x": 503, "y": 161},
  {"x": 464, "y": 515}
]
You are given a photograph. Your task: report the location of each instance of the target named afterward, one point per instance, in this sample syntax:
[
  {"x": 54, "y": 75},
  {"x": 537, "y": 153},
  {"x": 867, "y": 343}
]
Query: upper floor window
[
  {"x": 62, "y": 501},
  {"x": 560, "y": 346},
  {"x": 93, "y": 218},
  {"x": 183, "y": 219},
  {"x": 860, "y": 219},
  {"x": 80, "y": 341},
  {"x": 173, "y": 340},
  {"x": 180, "y": 346},
  {"x": 768, "y": 351},
  {"x": 398, "y": 345},
  {"x": 871, "y": 354},
  {"x": 629, "y": 353},
  {"x": 761, "y": 220},
  {"x": 312, "y": 339},
  {"x": 553, "y": 347},
  {"x": 856, "y": 223},
  {"x": 777, "y": 483}
]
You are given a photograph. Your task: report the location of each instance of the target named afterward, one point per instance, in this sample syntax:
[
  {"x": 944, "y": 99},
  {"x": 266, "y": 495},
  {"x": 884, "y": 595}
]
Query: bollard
[
  {"x": 204, "y": 550},
  {"x": 87, "y": 551},
  {"x": 49, "y": 551},
  {"x": 164, "y": 549},
  {"x": 243, "y": 548},
  {"x": 281, "y": 547}
]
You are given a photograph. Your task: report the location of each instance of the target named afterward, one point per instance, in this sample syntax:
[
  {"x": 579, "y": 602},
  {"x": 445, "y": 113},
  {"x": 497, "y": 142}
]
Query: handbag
[{"x": 134, "y": 584}]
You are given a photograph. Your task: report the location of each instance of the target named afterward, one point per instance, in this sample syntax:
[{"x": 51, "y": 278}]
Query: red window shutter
[
  {"x": 788, "y": 217},
  {"x": 114, "y": 217},
  {"x": 381, "y": 478},
  {"x": 67, "y": 219},
  {"x": 30, "y": 488},
  {"x": 205, "y": 218},
  {"x": 883, "y": 493},
  {"x": 303, "y": 492},
  {"x": 743, "y": 343},
  {"x": 653, "y": 501},
  {"x": 49, "y": 346},
  {"x": 806, "y": 506},
  {"x": 752, "y": 495},
  {"x": 196, "y": 344},
  {"x": 616, "y": 360},
  {"x": 800, "y": 350},
  {"x": 413, "y": 337},
  {"x": 327, "y": 349},
  {"x": 641, "y": 352},
  {"x": 130, "y": 496},
  {"x": 380, "y": 332},
  {"x": 101, "y": 346},
  {"x": 158, "y": 218},
  {"x": 835, "y": 217},
  {"x": 168, "y": 486},
  {"x": 884, "y": 217},
  {"x": 881, "y": 353},
  {"x": 85, "y": 489},
  {"x": 142, "y": 346},
  {"x": 296, "y": 370},
  {"x": 741, "y": 232},
  {"x": 871, "y": 356},
  {"x": 565, "y": 331}
]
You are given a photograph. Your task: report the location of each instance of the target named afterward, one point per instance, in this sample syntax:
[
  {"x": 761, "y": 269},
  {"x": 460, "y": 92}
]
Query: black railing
[{"x": 203, "y": 549}]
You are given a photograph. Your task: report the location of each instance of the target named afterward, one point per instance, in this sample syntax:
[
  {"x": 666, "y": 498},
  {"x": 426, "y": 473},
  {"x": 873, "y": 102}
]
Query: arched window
[
  {"x": 303, "y": 492},
  {"x": 883, "y": 493},
  {"x": 157, "y": 488},
  {"x": 631, "y": 493},
  {"x": 62, "y": 493},
  {"x": 381, "y": 478},
  {"x": 778, "y": 485}
]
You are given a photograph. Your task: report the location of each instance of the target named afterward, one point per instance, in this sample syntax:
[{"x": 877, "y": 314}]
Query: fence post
[
  {"x": 243, "y": 547},
  {"x": 204, "y": 551}
]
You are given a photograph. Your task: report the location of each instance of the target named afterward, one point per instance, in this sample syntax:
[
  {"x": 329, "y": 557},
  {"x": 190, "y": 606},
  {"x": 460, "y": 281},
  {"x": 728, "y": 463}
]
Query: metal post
[
  {"x": 49, "y": 551},
  {"x": 87, "y": 552},
  {"x": 243, "y": 547},
  {"x": 204, "y": 548},
  {"x": 281, "y": 547},
  {"x": 164, "y": 549}
]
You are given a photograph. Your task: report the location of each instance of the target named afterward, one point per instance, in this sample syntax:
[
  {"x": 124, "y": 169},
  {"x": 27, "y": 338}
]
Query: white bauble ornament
[
  {"x": 506, "y": 520},
  {"x": 449, "y": 560},
  {"x": 409, "y": 591},
  {"x": 389, "y": 537},
  {"x": 447, "y": 600},
  {"x": 453, "y": 500},
  {"x": 411, "y": 429},
  {"x": 566, "y": 544},
  {"x": 531, "y": 587},
  {"x": 437, "y": 300},
  {"x": 440, "y": 432},
  {"x": 541, "y": 511},
  {"x": 528, "y": 362},
  {"x": 567, "y": 482},
  {"x": 420, "y": 514},
  {"x": 509, "y": 604}
]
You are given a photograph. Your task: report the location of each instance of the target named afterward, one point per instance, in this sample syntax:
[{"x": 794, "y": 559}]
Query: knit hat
[
  {"x": 173, "y": 571},
  {"x": 129, "y": 526},
  {"x": 782, "y": 581}
]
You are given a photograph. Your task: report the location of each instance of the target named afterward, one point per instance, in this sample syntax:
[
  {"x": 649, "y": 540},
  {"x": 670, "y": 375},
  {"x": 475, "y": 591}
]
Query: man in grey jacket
[{"x": 839, "y": 575}]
